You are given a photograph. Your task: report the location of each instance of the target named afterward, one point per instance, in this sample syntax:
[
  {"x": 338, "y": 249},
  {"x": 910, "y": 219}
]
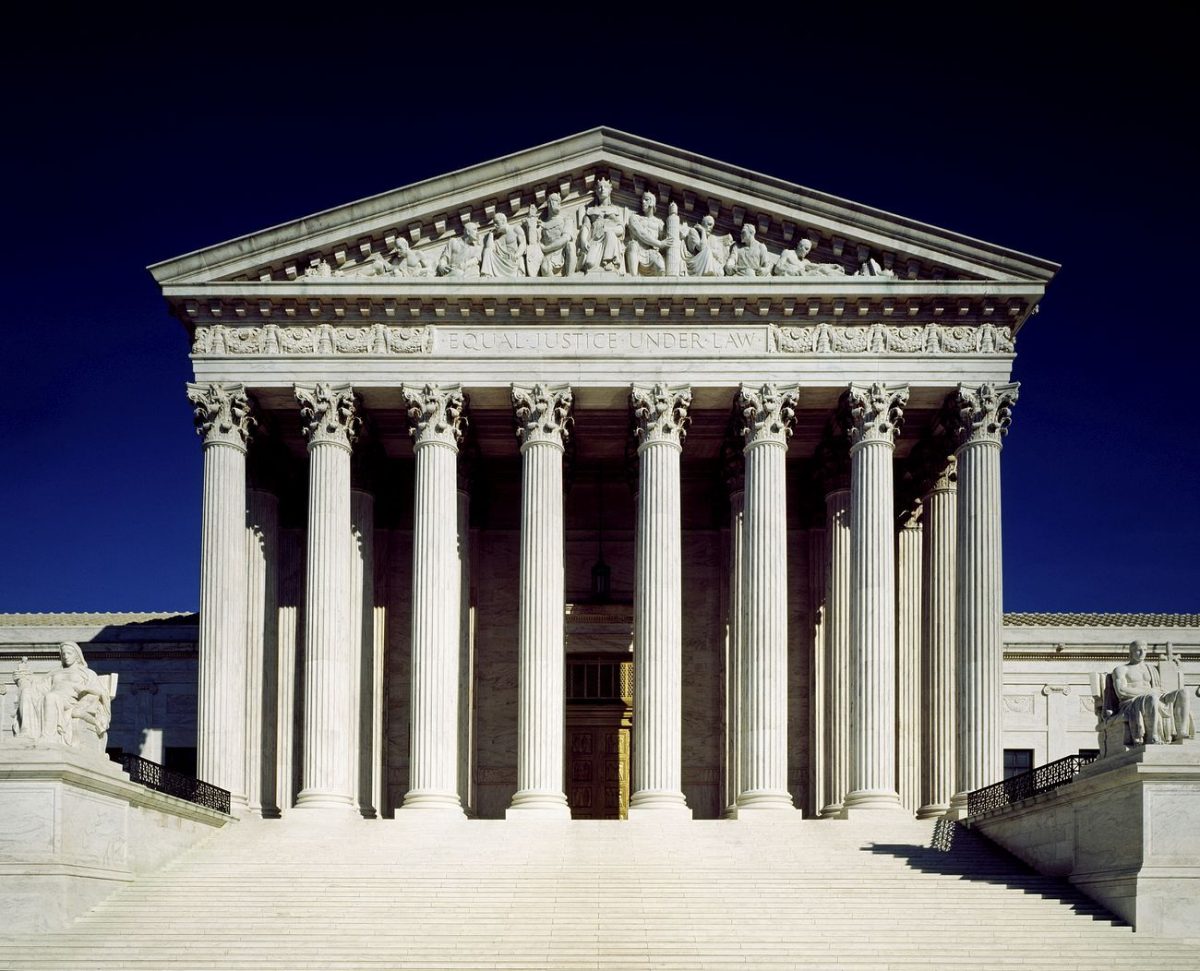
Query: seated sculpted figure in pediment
[
  {"x": 503, "y": 250},
  {"x": 407, "y": 262},
  {"x": 705, "y": 252},
  {"x": 553, "y": 237},
  {"x": 71, "y": 705},
  {"x": 796, "y": 263},
  {"x": 749, "y": 257},
  {"x": 602, "y": 233},
  {"x": 1154, "y": 715},
  {"x": 461, "y": 255},
  {"x": 644, "y": 241}
]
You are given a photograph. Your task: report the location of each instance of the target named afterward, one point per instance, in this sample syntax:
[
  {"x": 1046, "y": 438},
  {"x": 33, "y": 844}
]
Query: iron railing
[
  {"x": 1042, "y": 779},
  {"x": 154, "y": 776}
]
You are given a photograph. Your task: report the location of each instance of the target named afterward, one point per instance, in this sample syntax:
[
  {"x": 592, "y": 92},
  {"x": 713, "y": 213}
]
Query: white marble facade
[{"x": 428, "y": 419}]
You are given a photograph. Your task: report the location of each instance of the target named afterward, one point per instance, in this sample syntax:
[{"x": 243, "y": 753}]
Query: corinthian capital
[
  {"x": 543, "y": 413},
  {"x": 329, "y": 412},
  {"x": 768, "y": 414},
  {"x": 660, "y": 413},
  {"x": 984, "y": 413},
  {"x": 876, "y": 413},
  {"x": 436, "y": 414},
  {"x": 222, "y": 413}
]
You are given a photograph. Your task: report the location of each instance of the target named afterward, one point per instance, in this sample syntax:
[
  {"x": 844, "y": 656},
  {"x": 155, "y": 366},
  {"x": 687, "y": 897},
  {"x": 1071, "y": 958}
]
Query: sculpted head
[
  {"x": 648, "y": 203},
  {"x": 748, "y": 233},
  {"x": 471, "y": 232},
  {"x": 1137, "y": 652},
  {"x": 709, "y": 223},
  {"x": 401, "y": 247},
  {"x": 70, "y": 654},
  {"x": 804, "y": 247},
  {"x": 603, "y": 191},
  {"x": 554, "y": 204},
  {"x": 501, "y": 223}
]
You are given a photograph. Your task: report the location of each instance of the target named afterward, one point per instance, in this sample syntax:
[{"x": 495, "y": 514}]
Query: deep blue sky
[{"x": 134, "y": 141}]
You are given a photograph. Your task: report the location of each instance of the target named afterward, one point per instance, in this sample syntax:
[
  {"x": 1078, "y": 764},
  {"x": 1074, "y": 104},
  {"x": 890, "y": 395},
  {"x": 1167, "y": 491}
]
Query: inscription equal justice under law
[{"x": 598, "y": 341}]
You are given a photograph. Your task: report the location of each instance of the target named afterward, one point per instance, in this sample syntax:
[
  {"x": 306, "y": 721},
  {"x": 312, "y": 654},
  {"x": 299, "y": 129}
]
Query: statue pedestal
[
  {"x": 73, "y": 829},
  {"x": 1126, "y": 832}
]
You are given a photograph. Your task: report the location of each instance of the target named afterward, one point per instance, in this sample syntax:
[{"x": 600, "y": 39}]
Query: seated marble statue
[
  {"x": 705, "y": 252},
  {"x": 796, "y": 263},
  {"x": 644, "y": 241},
  {"x": 503, "y": 250},
  {"x": 602, "y": 234},
  {"x": 461, "y": 255},
  {"x": 1153, "y": 715},
  {"x": 71, "y": 705},
  {"x": 407, "y": 262},
  {"x": 749, "y": 257},
  {"x": 555, "y": 241}
]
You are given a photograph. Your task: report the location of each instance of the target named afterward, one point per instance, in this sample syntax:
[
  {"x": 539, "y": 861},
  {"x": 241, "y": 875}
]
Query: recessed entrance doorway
[{"x": 599, "y": 723}]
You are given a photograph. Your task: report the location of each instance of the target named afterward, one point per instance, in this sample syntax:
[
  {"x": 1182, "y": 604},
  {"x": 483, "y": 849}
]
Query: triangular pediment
[{"x": 366, "y": 241}]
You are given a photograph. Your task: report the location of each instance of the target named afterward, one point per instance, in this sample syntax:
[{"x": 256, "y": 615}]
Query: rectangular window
[{"x": 1017, "y": 760}]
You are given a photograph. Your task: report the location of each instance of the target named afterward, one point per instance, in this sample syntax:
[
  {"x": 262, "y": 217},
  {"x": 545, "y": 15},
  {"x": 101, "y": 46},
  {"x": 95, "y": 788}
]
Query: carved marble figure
[
  {"x": 67, "y": 705},
  {"x": 407, "y": 262},
  {"x": 555, "y": 241},
  {"x": 644, "y": 241},
  {"x": 796, "y": 263},
  {"x": 705, "y": 252},
  {"x": 673, "y": 238},
  {"x": 503, "y": 250},
  {"x": 461, "y": 255},
  {"x": 1154, "y": 715},
  {"x": 872, "y": 268},
  {"x": 602, "y": 234},
  {"x": 749, "y": 257}
]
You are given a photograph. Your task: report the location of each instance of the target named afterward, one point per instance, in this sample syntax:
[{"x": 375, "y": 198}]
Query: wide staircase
[{"x": 411, "y": 893}]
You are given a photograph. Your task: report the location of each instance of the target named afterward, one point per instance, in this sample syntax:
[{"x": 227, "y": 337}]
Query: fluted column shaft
[
  {"x": 543, "y": 419},
  {"x": 437, "y": 421},
  {"x": 733, "y": 650},
  {"x": 837, "y": 650},
  {"x": 876, "y": 413},
  {"x": 292, "y": 572},
  {"x": 938, "y": 710},
  {"x": 908, "y": 661},
  {"x": 984, "y": 417},
  {"x": 222, "y": 414},
  {"x": 466, "y": 654},
  {"x": 768, "y": 414},
  {"x": 660, "y": 415},
  {"x": 327, "y": 777},
  {"x": 262, "y": 555},
  {"x": 361, "y": 754}
]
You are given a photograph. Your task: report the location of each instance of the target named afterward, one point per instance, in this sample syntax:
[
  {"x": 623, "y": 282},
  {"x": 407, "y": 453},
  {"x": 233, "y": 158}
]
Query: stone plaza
[{"x": 609, "y": 482}]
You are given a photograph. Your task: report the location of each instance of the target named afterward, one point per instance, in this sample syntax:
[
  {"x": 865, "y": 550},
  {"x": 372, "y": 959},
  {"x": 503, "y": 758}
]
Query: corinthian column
[
  {"x": 330, "y": 425},
  {"x": 876, "y": 413},
  {"x": 834, "y": 459},
  {"x": 437, "y": 424},
  {"x": 908, "y": 657},
  {"x": 543, "y": 417},
  {"x": 984, "y": 414},
  {"x": 768, "y": 415},
  {"x": 262, "y": 648},
  {"x": 223, "y": 421},
  {"x": 660, "y": 422},
  {"x": 938, "y": 713}
]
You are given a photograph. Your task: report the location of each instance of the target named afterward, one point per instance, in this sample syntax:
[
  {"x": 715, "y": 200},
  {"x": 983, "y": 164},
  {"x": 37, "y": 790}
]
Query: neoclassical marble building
[{"x": 602, "y": 479}]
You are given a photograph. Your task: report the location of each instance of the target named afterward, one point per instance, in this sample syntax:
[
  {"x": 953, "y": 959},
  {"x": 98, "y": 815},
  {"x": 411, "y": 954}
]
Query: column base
[
  {"x": 310, "y": 799},
  {"x": 933, "y": 811},
  {"x": 869, "y": 802},
  {"x": 958, "y": 807},
  {"x": 539, "y": 803},
  {"x": 658, "y": 804},
  {"x": 764, "y": 801},
  {"x": 832, "y": 811},
  {"x": 444, "y": 803}
]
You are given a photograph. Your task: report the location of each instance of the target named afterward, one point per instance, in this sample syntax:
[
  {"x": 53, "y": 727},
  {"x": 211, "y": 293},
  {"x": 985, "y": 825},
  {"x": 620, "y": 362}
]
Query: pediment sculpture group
[
  {"x": 70, "y": 705},
  {"x": 601, "y": 238}
]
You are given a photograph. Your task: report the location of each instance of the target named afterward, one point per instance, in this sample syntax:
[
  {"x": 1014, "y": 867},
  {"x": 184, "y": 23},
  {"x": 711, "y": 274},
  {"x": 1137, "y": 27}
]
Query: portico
[{"x": 452, "y": 452}]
